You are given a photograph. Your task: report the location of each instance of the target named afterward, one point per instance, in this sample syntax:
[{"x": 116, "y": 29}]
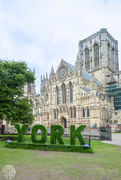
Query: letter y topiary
[{"x": 21, "y": 131}]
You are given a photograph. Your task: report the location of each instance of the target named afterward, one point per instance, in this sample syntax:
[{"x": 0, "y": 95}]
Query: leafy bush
[{"x": 28, "y": 144}]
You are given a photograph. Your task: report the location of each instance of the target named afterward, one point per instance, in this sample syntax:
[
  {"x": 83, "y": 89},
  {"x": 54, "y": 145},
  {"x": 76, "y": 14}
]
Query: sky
[{"x": 42, "y": 32}]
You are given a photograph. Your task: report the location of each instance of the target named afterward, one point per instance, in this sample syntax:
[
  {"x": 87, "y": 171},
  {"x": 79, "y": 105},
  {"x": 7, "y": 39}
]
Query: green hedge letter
[
  {"x": 77, "y": 132},
  {"x": 43, "y": 135},
  {"x": 21, "y": 131},
  {"x": 55, "y": 134}
]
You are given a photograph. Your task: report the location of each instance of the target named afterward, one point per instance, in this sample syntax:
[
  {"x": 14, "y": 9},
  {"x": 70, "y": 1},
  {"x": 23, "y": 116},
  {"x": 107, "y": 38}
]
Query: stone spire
[
  {"x": 78, "y": 63},
  {"x": 77, "y": 59},
  {"x": 34, "y": 71},
  {"x": 93, "y": 80},
  {"x": 52, "y": 74},
  {"x": 93, "y": 84},
  {"x": 46, "y": 76},
  {"x": 52, "y": 70}
]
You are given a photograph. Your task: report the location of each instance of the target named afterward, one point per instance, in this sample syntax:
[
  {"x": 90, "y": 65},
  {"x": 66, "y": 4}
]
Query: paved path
[{"x": 116, "y": 139}]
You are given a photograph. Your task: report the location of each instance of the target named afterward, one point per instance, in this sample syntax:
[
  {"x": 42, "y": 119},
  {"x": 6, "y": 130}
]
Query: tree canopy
[{"x": 14, "y": 107}]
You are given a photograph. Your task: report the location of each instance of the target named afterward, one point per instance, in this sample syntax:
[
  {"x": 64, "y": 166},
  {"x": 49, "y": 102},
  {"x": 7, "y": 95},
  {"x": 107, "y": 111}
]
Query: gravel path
[{"x": 116, "y": 139}]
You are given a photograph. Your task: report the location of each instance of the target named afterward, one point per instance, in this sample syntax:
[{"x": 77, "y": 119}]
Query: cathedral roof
[
  {"x": 114, "y": 73},
  {"x": 87, "y": 90},
  {"x": 88, "y": 77},
  {"x": 85, "y": 74},
  {"x": 70, "y": 66}
]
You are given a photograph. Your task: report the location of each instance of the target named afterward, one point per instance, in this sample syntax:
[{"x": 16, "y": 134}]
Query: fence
[{"x": 99, "y": 134}]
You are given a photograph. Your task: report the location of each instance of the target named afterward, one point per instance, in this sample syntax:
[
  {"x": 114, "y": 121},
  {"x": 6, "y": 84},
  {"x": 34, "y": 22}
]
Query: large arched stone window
[
  {"x": 87, "y": 60},
  {"x": 83, "y": 112},
  {"x": 63, "y": 94},
  {"x": 96, "y": 55},
  {"x": 71, "y": 92},
  {"x": 112, "y": 58},
  {"x": 47, "y": 115},
  {"x": 74, "y": 112},
  {"x": 71, "y": 112},
  {"x": 54, "y": 114},
  {"x": 57, "y": 113},
  {"x": 57, "y": 93},
  {"x": 87, "y": 112}
]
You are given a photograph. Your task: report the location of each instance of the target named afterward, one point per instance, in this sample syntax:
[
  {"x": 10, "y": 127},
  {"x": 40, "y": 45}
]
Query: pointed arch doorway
[{"x": 64, "y": 122}]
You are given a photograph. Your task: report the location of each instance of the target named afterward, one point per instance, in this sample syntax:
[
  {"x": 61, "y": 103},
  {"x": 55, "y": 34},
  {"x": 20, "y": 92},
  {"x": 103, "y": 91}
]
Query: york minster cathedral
[{"x": 76, "y": 94}]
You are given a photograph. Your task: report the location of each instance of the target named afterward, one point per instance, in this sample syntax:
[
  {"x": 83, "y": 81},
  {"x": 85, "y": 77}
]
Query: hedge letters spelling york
[{"x": 56, "y": 133}]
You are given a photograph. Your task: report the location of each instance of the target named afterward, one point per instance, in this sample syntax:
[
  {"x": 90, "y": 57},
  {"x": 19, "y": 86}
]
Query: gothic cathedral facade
[{"x": 75, "y": 94}]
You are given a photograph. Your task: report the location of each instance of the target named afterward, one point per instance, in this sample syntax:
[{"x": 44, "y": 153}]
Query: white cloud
[{"x": 43, "y": 32}]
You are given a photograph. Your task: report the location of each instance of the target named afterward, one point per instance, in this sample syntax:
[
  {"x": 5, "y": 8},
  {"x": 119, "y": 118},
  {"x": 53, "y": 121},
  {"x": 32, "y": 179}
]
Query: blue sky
[{"x": 44, "y": 32}]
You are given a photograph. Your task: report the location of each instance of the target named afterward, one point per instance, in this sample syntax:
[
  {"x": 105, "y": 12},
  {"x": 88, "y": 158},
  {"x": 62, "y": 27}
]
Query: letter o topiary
[{"x": 43, "y": 135}]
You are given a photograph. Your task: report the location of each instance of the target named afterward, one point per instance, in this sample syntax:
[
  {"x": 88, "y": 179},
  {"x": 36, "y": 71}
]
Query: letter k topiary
[{"x": 76, "y": 133}]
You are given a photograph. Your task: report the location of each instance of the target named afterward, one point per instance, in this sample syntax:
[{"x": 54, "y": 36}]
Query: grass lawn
[
  {"x": 104, "y": 164},
  {"x": 117, "y": 132}
]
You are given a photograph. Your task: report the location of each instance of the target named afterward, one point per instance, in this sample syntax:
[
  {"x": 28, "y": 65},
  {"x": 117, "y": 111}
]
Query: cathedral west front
[{"x": 76, "y": 93}]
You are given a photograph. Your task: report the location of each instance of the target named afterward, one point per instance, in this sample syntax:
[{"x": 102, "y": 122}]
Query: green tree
[{"x": 14, "y": 107}]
